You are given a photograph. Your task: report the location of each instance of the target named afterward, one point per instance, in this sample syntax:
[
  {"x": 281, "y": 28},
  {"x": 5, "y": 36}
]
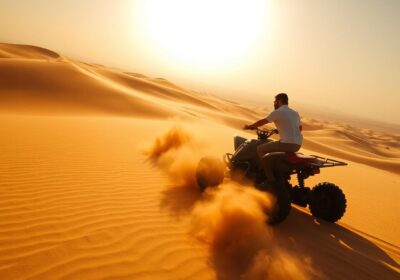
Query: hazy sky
[{"x": 341, "y": 55}]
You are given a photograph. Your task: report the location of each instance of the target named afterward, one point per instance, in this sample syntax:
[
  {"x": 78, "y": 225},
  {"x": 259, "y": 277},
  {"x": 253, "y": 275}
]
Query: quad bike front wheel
[
  {"x": 209, "y": 172},
  {"x": 327, "y": 202}
]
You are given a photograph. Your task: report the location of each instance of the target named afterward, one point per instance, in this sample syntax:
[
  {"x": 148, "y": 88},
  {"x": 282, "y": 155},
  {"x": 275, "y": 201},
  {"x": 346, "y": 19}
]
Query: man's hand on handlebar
[{"x": 249, "y": 127}]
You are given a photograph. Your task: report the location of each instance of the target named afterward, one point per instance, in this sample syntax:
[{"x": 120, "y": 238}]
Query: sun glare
[{"x": 204, "y": 32}]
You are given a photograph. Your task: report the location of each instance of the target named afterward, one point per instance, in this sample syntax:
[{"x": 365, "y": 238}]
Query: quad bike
[{"x": 325, "y": 200}]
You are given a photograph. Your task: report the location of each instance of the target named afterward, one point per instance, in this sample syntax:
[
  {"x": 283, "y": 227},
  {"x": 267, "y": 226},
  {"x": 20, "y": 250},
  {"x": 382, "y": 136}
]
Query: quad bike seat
[{"x": 298, "y": 158}]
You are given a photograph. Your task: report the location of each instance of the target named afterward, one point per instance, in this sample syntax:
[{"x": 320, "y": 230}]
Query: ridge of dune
[
  {"x": 154, "y": 88},
  {"x": 26, "y": 52}
]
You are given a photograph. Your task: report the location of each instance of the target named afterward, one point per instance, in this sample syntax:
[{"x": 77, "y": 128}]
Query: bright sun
[{"x": 204, "y": 32}]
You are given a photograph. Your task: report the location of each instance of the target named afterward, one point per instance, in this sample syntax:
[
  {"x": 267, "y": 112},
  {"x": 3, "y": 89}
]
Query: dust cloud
[{"x": 176, "y": 152}]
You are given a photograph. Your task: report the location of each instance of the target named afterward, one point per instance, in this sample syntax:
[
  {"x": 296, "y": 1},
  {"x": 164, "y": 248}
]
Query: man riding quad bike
[{"x": 325, "y": 200}]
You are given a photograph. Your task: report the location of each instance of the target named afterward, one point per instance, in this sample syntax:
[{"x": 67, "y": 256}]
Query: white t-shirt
[{"x": 287, "y": 121}]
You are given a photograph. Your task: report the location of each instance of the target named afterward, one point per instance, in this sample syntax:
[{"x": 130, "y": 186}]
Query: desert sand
[{"x": 96, "y": 182}]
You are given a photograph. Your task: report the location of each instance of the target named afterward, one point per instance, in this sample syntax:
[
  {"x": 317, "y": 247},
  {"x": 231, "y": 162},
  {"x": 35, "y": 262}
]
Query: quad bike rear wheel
[
  {"x": 300, "y": 195},
  {"x": 327, "y": 202},
  {"x": 281, "y": 209},
  {"x": 210, "y": 172}
]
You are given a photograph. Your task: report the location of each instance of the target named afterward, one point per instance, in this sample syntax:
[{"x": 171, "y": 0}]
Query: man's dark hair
[{"x": 283, "y": 98}]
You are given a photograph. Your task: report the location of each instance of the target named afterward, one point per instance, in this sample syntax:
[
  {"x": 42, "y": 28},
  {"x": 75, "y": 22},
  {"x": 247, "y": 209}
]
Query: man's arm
[{"x": 256, "y": 124}]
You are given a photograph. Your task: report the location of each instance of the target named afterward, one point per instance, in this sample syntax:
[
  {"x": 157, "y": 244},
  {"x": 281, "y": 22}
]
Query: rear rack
[
  {"x": 322, "y": 162},
  {"x": 327, "y": 162}
]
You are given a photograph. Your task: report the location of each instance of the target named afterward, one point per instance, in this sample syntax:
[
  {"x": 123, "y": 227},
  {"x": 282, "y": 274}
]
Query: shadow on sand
[{"x": 336, "y": 252}]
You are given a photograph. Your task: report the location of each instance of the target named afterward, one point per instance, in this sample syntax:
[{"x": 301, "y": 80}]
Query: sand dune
[
  {"x": 80, "y": 199},
  {"x": 376, "y": 149},
  {"x": 33, "y": 81}
]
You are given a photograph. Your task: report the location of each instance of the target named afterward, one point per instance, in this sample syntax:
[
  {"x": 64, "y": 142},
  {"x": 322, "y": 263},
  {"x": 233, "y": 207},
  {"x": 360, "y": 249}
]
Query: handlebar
[{"x": 264, "y": 134}]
